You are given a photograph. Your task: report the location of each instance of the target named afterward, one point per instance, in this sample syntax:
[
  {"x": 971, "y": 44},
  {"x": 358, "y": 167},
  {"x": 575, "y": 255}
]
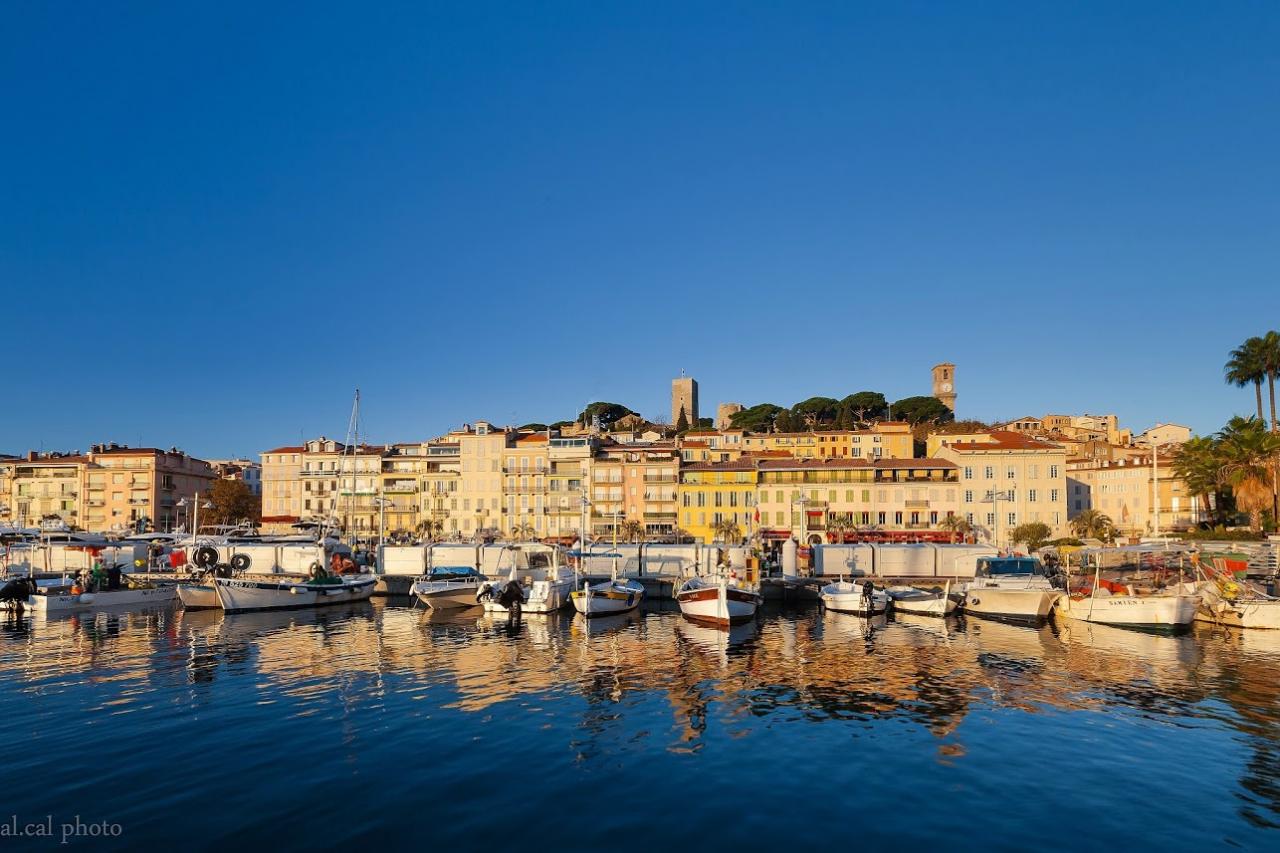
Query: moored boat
[
  {"x": 448, "y": 587},
  {"x": 618, "y": 595},
  {"x": 1235, "y": 604},
  {"x": 858, "y": 599},
  {"x": 1150, "y": 604},
  {"x": 65, "y": 599},
  {"x": 544, "y": 584},
  {"x": 240, "y": 594},
  {"x": 719, "y": 602},
  {"x": 923, "y": 602},
  {"x": 1014, "y": 588}
]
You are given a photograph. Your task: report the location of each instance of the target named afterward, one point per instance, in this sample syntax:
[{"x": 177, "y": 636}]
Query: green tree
[
  {"x": 1033, "y": 534},
  {"x": 845, "y": 418},
  {"x": 608, "y": 413},
  {"x": 866, "y": 405},
  {"x": 819, "y": 411},
  {"x": 921, "y": 410},
  {"x": 431, "y": 529},
  {"x": 233, "y": 503},
  {"x": 758, "y": 418},
  {"x": 1199, "y": 466},
  {"x": 786, "y": 421},
  {"x": 535, "y": 427},
  {"x": 1249, "y": 456},
  {"x": 1093, "y": 524},
  {"x": 631, "y": 531},
  {"x": 957, "y": 525},
  {"x": 706, "y": 423},
  {"x": 1247, "y": 366},
  {"x": 682, "y": 422},
  {"x": 727, "y": 531}
]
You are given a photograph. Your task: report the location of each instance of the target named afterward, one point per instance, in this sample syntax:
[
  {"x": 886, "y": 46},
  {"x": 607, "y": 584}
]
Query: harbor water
[{"x": 381, "y": 724}]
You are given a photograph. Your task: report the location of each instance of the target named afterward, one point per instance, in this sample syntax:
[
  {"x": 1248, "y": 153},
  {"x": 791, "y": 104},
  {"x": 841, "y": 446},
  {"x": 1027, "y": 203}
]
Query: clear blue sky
[{"x": 217, "y": 220}]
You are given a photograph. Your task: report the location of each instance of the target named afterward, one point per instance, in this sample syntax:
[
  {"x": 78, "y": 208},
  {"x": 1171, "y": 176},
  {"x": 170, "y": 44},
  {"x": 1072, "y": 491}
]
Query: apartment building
[
  {"x": 1007, "y": 479},
  {"x": 441, "y": 474},
  {"x": 1140, "y": 498},
  {"x": 281, "y": 488},
  {"x": 815, "y": 500},
  {"x": 635, "y": 483},
  {"x": 887, "y": 440},
  {"x": 128, "y": 487},
  {"x": 712, "y": 492},
  {"x": 43, "y": 486},
  {"x": 399, "y": 488}
]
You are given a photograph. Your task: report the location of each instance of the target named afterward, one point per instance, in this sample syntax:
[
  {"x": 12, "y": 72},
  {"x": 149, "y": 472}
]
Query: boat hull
[
  {"x": 198, "y": 596},
  {"x": 718, "y": 606},
  {"x": 445, "y": 595},
  {"x": 1022, "y": 605},
  {"x": 68, "y": 602},
  {"x": 1237, "y": 613},
  {"x": 940, "y": 606},
  {"x": 238, "y": 595},
  {"x": 540, "y": 597},
  {"x": 607, "y": 599},
  {"x": 848, "y": 598},
  {"x": 1131, "y": 611}
]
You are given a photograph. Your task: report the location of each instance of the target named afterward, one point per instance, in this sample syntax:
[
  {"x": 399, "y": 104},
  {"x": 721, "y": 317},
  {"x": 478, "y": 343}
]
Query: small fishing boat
[
  {"x": 1128, "y": 603},
  {"x": 448, "y": 587},
  {"x": 240, "y": 594},
  {"x": 923, "y": 602},
  {"x": 618, "y": 595},
  {"x": 1235, "y": 603},
  {"x": 859, "y": 599},
  {"x": 198, "y": 595},
  {"x": 718, "y": 601},
  {"x": 1015, "y": 588},
  {"x": 66, "y": 597}
]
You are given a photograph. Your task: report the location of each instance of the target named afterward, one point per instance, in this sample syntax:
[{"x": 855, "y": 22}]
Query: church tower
[{"x": 944, "y": 384}]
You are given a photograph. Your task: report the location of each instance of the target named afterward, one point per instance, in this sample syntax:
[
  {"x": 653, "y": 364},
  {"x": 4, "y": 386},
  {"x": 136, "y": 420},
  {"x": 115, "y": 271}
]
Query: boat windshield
[{"x": 999, "y": 566}]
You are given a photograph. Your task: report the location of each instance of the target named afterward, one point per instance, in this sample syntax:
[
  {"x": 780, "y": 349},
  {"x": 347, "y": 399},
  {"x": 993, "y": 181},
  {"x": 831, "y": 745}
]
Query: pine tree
[{"x": 682, "y": 422}]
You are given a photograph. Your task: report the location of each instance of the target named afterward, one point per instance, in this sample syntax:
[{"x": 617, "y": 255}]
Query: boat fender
[
  {"x": 205, "y": 556},
  {"x": 241, "y": 562}
]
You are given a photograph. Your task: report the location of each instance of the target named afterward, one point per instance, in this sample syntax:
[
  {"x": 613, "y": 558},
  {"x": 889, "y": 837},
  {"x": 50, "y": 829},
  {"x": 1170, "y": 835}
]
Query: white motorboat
[
  {"x": 1014, "y": 588},
  {"x": 859, "y": 599},
  {"x": 618, "y": 595},
  {"x": 448, "y": 587},
  {"x": 239, "y": 594},
  {"x": 544, "y": 583},
  {"x": 718, "y": 601},
  {"x": 1236, "y": 604},
  {"x": 923, "y": 602}
]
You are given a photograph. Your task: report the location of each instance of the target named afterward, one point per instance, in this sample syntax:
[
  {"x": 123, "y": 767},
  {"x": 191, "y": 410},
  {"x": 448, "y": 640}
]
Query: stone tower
[
  {"x": 944, "y": 384},
  {"x": 725, "y": 413},
  {"x": 684, "y": 394}
]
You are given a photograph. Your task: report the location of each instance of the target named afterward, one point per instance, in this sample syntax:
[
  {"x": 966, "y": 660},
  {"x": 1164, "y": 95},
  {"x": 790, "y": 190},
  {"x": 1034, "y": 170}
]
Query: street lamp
[
  {"x": 798, "y": 499},
  {"x": 994, "y": 497}
]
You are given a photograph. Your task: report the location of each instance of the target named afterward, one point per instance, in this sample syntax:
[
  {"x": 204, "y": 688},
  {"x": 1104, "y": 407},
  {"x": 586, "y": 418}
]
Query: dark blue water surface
[{"x": 381, "y": 724}]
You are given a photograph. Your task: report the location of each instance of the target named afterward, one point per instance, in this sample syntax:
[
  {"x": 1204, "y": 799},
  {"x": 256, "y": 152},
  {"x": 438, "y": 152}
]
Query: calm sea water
[{"x": 381, "y": 724}]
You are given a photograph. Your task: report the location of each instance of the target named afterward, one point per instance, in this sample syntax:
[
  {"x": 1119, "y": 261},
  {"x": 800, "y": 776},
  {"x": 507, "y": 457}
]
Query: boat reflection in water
[{"x": 649, "y": 700}]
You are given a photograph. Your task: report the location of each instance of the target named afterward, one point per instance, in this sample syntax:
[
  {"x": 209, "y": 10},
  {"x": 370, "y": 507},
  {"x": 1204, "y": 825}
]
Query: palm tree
[
  {"x": 958, "y": 526},
  {"x": 1268, "y": 350},
  {"x": 523, "y": 531},
  {"x": 1249, "y": 456},
  {"x": 1199, "y": 466},
  {"x": 1247, "y": 365},
  {"x": 839, "y": 525},
  {"x": 1093, "y": 524},
  {"x": 430, "y": 529},
  {"x": 727, "y": 531},
  {"x": 631, "y": 531}
]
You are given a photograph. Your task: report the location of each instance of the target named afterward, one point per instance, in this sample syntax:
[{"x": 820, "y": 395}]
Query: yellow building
[
  {"x": 281, "y": 488},
  {"x": 711, "y": 492},
  {"x": 440, "y": 478},
  {"x": 126, "y": 487},
  {"x": 888, "y": 440},
  {"x": 638, "y": 483},
  {"x": 1124, "y": 490},
  {"x": 44, "y": 486}
]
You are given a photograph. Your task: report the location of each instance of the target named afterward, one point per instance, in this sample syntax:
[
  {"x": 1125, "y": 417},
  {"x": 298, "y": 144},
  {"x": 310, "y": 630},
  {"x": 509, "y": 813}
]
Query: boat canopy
[{"x": 454, "y": 571}]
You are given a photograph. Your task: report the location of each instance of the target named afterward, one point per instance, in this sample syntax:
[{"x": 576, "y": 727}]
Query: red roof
[
  {"x": 914, "y": 463},
  {"x": 1004, "y": 440},
  {"x": 284, "y": 450}
]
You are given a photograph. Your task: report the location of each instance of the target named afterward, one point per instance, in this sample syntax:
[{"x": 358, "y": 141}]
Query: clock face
[{"x": 946, "y": 386}]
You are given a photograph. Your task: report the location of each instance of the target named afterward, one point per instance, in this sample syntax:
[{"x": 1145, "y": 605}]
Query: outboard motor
[{"x": 15, "y": 593}]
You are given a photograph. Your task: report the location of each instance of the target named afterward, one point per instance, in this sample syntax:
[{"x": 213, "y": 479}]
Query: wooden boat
[
  {"x": 618, "y": 595},
  {"x": 923, "y": 602},
  {"x": 859, "y": 599},
  {"x": 719, "y": 602},
  {"x": 448, "y": 587},
  {"x": 1224, "y": 600},
  {"x": 240, "y": 594},
  {"x": 66, "y": 599},
  {"x": 198, "y": 596},
  {"x": 1126, "y": 603},
  {"x": 1014, "y": 588}
]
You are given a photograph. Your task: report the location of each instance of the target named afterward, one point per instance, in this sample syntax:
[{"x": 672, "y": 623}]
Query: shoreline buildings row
[{"x": 885, "y": 482}]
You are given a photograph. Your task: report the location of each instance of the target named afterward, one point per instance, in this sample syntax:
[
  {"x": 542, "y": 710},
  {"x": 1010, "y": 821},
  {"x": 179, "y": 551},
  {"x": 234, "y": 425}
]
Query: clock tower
[{"x": 944, "y": 384}]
